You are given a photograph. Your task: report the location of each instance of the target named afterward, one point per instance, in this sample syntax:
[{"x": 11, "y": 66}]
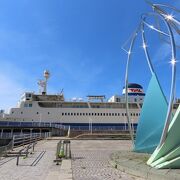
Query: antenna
[{"x": 62, "y": 90}]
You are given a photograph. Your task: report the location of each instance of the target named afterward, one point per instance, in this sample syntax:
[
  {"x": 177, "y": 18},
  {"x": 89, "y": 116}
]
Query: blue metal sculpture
[{"x": 157, "y": 138}]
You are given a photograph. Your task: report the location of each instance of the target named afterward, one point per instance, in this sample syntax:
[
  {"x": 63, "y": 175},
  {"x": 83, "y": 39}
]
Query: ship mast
[
  {"x": 46, "y": 76},
  {"x": 43, "y": 83}
]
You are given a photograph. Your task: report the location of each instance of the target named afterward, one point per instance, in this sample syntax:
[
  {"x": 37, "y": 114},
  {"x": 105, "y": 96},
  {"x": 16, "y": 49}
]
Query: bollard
[
  {"x": 61, "y": 153},
  {"x": 33, "y": 146},
  {"x": 66, "y": 155},
  {"x": 58, "y": 150},
  {"x": 17, "y": 162},
  {"x": 57, "y": 153},
  {"x": 13, "y": 143},
  {"x": 68, "y": 148}
]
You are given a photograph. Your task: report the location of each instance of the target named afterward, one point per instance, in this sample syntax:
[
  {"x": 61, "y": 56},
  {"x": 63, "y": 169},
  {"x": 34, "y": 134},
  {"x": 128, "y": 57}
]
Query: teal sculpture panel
[
  {"x": 168, "y": 155},
  {"x": 152, "y": 118}
]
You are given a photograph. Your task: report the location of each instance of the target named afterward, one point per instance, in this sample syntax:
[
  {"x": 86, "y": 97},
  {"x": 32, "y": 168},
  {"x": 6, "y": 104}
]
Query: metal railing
[
  {"x": 5, "y": 149},
  {"x": 25, "y": 151},
  {"x": 22, "y": 139},
  {"x": 6, "y": 135},
  {"x": 32, "y": 124},
  {"x": 30, "y": 140}
]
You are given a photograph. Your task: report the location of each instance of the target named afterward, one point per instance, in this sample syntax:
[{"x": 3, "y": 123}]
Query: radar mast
[{"x": 43, "y": 83}]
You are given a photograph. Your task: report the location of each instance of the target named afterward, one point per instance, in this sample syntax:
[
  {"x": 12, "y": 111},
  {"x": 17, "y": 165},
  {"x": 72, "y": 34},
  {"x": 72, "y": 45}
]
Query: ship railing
[
  {"x": 31, "y": 124},
  {"x": 102, "y": 128}
]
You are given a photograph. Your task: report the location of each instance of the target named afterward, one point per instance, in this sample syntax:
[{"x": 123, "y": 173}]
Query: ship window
[
  {"x": 122, "y": 114},
  {"x": 25, "y": 105},
  {"x": 101, "y": 114},
  {"x": 77, "y": 114},
  {"x": 30, "y": 105},
  {"x": 109, "y": 114},
  {"x": 133, "y": 114},
  {"x": 12, "y": 112},
  {"x": 112, "y": 114},
  {"x": 95, "y": 114},
  {"x": 115, "y": 114},
  {"x": 37, "y": 113},
  {"x": 65, "y": 114},
  {"x": 89, "y": 114},
  {"x": 136, "y": 114},
  {"x": 83, "y": 114},
  {"x": 71, "y": 114},
  {"x": 86, "y": 114},
  {"x": 118, "y": 114},
  {"x": 28, "y": 95},
  {"x": 68, "y": 114},
  {"x": 125, "y": 114},
  {"x": 48, "y": 112},
  {"x": 106, "y": 114},
  {"x": 21, "y": 112},
  {"x": 62, "y": 114},
  {"x": 74, "y": 114},
  {"x": 92, "y": 114}
]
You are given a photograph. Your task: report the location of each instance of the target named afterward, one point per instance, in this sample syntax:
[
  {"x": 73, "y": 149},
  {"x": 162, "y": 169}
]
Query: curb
[{"x": 142, "y": 170}]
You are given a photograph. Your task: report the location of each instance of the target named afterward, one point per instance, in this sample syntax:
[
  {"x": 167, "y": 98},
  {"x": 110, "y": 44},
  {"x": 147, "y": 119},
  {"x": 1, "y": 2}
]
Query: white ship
[{"x": 79, "y": 114}]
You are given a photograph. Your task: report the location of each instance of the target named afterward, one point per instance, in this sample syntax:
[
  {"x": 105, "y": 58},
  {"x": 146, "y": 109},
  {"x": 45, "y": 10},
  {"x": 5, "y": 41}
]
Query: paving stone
[{"x": 90, "y": 160}]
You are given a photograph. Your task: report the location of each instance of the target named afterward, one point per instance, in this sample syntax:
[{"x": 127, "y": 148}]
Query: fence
[
  {"x": 23, "y": 139},
  {"x": 4, "y": 149}
]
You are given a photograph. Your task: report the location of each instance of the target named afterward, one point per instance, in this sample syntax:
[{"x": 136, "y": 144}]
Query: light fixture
[
  {"x": 173, "y": 61},
  {"x": 144, "y": 45},
  {"x": 129, "y": 52},
  {"x": 169, "y": 17}
]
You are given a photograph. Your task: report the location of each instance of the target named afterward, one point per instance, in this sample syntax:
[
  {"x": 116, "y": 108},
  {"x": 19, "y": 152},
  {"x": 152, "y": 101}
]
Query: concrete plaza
[{"x": 90, "y": 161}]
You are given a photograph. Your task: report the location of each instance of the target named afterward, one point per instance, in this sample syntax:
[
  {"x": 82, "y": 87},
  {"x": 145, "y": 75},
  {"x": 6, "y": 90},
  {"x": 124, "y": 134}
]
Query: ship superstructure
[{"x": 77, "y": 113}]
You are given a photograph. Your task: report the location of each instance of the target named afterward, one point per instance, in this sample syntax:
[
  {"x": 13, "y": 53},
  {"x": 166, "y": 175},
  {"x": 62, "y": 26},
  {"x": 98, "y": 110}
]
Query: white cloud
[
  {"x": 164, "y": 49},
  {"x": 10, "y": 85},
  {"x": 10, "y": 92}
]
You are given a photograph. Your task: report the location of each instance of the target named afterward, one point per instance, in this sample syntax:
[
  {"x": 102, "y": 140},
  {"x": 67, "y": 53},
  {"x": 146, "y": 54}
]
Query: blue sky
[{"x": 79, "y": 42}]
